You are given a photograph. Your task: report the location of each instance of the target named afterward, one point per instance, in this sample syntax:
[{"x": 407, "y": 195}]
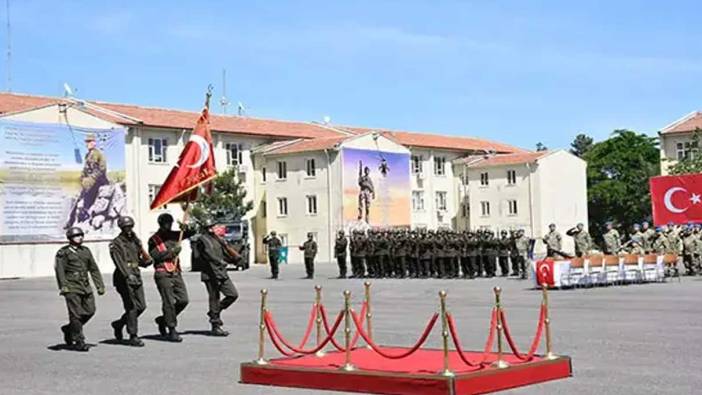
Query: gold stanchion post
[
  {"x": 445, "y": 334},
  {"x": 499, "y": 363},
  {"x": 318, "y": 307},
  {"x": 348, "y": 366},
  {"x": 547, "y": 323},
  {"x": 367, "y": 284},
  {"x": 261, "y": 330}
]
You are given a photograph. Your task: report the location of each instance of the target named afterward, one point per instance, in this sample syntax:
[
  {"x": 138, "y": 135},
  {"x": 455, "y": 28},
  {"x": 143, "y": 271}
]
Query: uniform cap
[
  {"x": 164, "y": 218},
  {"x": 90, "y": 137},
  {"x": 73, "y": 232},
  {"x": 124, "y": 222}
]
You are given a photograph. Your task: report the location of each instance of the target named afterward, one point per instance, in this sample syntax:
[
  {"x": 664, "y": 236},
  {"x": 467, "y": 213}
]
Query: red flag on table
[
  {"x": 196, "y": 166},
  {"x": 544, "y": 272},
  {"x": 676, "y": 199}
]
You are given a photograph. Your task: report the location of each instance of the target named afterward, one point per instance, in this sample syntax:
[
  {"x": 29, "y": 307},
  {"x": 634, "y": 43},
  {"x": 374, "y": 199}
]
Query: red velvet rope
[
  {"x": 356, "y": 337},
  {"x": 488, "y": 343},
  {"x": 310, "y": 325},
  {"x": 274, "y": 340},
  {"x": 376, "y": 348},
  {"x": 534, "y": 344},
  {"x": 274, "y": 332}
]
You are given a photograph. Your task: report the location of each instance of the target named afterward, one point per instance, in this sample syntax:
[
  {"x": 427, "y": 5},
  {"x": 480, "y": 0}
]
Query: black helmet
[
  {"x": 73, "y": 232},
  {"x": 164, "y": 218},
  {"x": 209, "y": 222},
  {"x": 124, "y": 222}
]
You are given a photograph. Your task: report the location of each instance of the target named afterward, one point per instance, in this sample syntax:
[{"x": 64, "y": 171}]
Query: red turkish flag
[
  {"x": 544, "y": 272},
  {"x": 676, "y": 199},
  {"x": 196, "y": 166}
]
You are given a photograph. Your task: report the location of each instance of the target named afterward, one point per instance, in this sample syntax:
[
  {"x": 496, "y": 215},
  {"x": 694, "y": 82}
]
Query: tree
[
  {"x": 618, "y": 170},
  {"x": 227, "y": 200},
  {"x": 692, "y": 161},
  {"x": 540, "y": 147},
  {"x": 581, "y": 144}
]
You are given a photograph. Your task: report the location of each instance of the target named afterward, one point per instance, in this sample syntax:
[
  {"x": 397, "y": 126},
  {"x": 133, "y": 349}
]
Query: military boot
[
  {"x": 117, "y": 328},
  {"x": 173, "y": 336},
  {"x": 81, "y": 346},
  {"x": 218, "y": 331},
  {"x": 134, "y": 341},
  {"x": 161, "y": 326},
  {"x": 67, "y": 335}
]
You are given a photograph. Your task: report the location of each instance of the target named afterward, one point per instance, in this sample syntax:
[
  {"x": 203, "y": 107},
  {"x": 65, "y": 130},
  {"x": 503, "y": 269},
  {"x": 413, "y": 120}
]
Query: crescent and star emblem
[
  {"x": 204, "y": 150},
  {"x": 668, "y": 200}
]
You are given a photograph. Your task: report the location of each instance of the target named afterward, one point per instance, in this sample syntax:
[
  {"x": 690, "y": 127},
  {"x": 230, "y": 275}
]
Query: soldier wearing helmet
[
  {"x": 274, "y": 245},
  {"x": 310, "y": 251},
  {"x": 503, "y": 252},
  {"x": 129, "y": 255},
  {"x": 340, "y": 245},
  {"x": 74, "y": 264},
  {"x": 164, "y": 248}
]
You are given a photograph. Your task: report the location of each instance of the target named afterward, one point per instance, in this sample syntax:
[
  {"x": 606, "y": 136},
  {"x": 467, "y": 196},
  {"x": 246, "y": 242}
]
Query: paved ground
[{"x": 625, "y": 340}]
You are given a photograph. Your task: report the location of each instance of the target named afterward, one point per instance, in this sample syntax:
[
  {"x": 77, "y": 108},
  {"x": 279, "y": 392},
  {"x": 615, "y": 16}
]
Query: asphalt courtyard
[{"x": 638, "y": 339}]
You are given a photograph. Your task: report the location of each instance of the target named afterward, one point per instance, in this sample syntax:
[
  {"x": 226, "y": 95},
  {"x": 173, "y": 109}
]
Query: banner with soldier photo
[
  {"x": 376, "y": 188},
  {"x": 54, "y": 176}
]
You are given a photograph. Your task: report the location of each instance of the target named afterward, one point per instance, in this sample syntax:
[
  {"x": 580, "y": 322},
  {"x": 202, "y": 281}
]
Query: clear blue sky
[{"x": 515, "y": 71}]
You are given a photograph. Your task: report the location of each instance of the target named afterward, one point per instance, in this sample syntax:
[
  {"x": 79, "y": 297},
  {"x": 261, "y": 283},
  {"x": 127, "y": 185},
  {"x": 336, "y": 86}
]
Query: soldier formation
[{"x": 75, "y": 264}]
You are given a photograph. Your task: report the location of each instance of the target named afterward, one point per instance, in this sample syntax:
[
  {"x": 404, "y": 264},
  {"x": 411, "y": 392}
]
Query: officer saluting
[
  {"x": 73, "y": 263},
  {"x": 310, "y": 249},
  {"x": 274, "y": 244},
  {"x": 164, "y": 249},
  {"x": 215, "y": 253},
  {"x": 128, "y": 255}
]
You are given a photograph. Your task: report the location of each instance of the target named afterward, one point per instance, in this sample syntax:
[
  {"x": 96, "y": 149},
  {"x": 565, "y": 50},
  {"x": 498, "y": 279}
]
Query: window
[
  {"x": 485, "y": 208},
  {"x": 282, "y": 207},
  {"x": 282, "y": 170},
  {"x": 417, "y": 162},
  {"x": 418, "y": 200},
  {"x": 311, "y": 204},
  {"x": 439, "y": 165},
  {"x": 511, "y": 177},
  {"x": 484, "y": 180},
  {"x": 153, "y": 191},
  {"x": 687, "y": 150},
  {"x": 465, "y": 210},
  {"x": 512, "y": 207},
  {"x": 157, "y": 150},
  {"x": 441, "y": 201},
  {"x": 464, "y": 178},
  {"x": 311, "y": 169},
  {"x": 235, "y": 154},
  {"x": 263, "y": 174}
]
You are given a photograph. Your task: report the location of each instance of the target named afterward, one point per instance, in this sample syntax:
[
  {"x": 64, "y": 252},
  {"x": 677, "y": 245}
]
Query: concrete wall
[{"x": 668, "y": 149}]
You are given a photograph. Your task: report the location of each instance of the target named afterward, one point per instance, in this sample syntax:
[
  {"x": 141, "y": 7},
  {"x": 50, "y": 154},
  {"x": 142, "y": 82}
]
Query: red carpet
[{"x": 416, "y": 374}]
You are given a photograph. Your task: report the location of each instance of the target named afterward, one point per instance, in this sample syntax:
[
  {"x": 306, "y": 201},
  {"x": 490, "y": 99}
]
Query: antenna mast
[
  {"x": 9, "y": 49},
  {"x": 224, "y": 102}
]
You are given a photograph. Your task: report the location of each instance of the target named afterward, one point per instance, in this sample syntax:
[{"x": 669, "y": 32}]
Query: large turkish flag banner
[{"x": 676, "y": 199}]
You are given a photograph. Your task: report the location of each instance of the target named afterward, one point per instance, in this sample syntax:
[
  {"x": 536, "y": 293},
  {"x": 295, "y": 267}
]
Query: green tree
[
  {"x": 692, "y": 162},
  {"x": 618, "y": 170},
  {"x": 581, "y": 144},
  {"x": 541, "y": 147},
  {"x": 227, "y": 200}
]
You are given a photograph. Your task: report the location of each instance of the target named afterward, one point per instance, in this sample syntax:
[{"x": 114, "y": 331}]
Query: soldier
[
  {"x": 698, "y": 252},
  {"x": 382, "y": 252},
  {"x": 274, "y": 244},
  {"x": 400, "y": 254},
  {"x": 358, "y": 255},
  {"x": 93, "y": 176},
  {"x": 581, "y": 239},
  {"x": 660, "y": 244},
  {"x": 164, "y": 248},
  {"x": 310, "y": 251},
  {"x": 674, "y": 239},
  {"x": 490, "y": 246},
  {"x": 553, "y": 241},
  {"x": 128, "y": 255},
  {"x": 412, "y": 261},
  {"x": 648, "y": 234},
  {"x": 503, "y": 253},
  {"x": 73, "y": 263},
  {"x": 635, "y": 246},
  {"x": 425, "y": 247},
  {"x": 612, "y": 240},
  {"x": 468, "y": 263},
  {"x": 215, "y": 254},
  {"x": 521, "y": 244},
  {"x": 340, "y": 252},
  {"x": 690, "y": 248}
]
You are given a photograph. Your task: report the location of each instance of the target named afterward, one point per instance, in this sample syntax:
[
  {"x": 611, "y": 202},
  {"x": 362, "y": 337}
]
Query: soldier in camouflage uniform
[
  {"x": 522, "y": 245},
  {"x": 310, "y": 252},
  {"x": 400, "y": 251},
  {"x": 553, "y": 241},
  {"x": 690, "y": 248},
  {"x": 612, "y": 240},
  {"x": 674, "y": 239},
  {"x": 648, "y": 234},
  {"x": 660, "y": 244},
  {"x": 74, "y": 263},
  {"x": 340, "y": 245},
  {"x": 128, "y": 255},
  {"x": 581, "y": 239}
]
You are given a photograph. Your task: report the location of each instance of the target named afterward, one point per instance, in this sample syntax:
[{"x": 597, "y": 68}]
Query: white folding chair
[
  {"x": 595, "y": 270},
  {"x": 650, "y": 268},
  {"x": 632, "y": 270}
]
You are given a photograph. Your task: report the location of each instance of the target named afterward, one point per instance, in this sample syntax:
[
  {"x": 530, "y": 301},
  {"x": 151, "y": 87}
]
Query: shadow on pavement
[
  {"x": 65, "y": 347},
  {"x": 114, "y": 342}
]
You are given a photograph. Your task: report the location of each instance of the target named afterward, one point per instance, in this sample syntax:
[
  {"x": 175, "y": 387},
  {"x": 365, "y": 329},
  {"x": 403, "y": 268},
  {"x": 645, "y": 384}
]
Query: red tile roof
[
  {"x": 428, "y": 140},
  {"x": 503, "y": 159},
  {"x": 305, "y": 145},
  {"x": 686, "y": 124}
]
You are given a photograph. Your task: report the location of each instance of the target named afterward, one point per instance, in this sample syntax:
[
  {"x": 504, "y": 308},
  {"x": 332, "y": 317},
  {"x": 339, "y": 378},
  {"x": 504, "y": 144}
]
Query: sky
[{"x": 519, "y": 72}]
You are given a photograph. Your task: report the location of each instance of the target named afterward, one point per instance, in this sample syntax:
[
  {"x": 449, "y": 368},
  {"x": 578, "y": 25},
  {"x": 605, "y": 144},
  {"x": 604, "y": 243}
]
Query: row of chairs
[{"x": 614, "y": 269}]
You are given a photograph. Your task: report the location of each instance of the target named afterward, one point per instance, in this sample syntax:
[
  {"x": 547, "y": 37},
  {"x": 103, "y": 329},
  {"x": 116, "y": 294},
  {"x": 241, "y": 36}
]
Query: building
[
  {"x": 302, "y": 176},
  {"x": 676, "y": 140}
]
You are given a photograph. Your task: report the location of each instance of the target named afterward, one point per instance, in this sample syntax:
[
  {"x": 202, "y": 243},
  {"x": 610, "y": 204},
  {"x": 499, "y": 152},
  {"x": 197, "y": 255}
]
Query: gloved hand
[
  {"x": 63, "y": 291},
  {"x": 101, "y": 291}
]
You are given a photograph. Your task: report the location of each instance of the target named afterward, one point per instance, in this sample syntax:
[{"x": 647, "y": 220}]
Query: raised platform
[{"x": 416, "y": 374}]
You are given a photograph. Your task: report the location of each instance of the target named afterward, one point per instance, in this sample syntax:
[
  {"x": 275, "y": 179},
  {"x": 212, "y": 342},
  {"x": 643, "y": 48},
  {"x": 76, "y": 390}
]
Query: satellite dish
[{"x": 67, "y": 91}]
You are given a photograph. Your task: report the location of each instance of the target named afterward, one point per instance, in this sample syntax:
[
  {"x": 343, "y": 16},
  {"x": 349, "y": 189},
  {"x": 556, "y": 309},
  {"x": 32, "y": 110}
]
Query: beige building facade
[{"x": 677, "y": 142}]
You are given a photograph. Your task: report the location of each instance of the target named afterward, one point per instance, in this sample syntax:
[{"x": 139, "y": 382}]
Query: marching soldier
[
  {"x": 215, "y": 254},
  {"x": 503, "y": 253},
  {"x": 274, "y": 245},
  {"x": 581, "y": 239},
  {"x": 553, "y": 241},
  {"x": 310, "y": 251},
  {"x": 128, "y": 255},
  {"x": 612, "y": 240},
  {"x": 340, "y": 252},
  {"x": 73, "y": 264},
  {"x": 164, "y": 248},
  {"x": 522, "y": 245}
]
